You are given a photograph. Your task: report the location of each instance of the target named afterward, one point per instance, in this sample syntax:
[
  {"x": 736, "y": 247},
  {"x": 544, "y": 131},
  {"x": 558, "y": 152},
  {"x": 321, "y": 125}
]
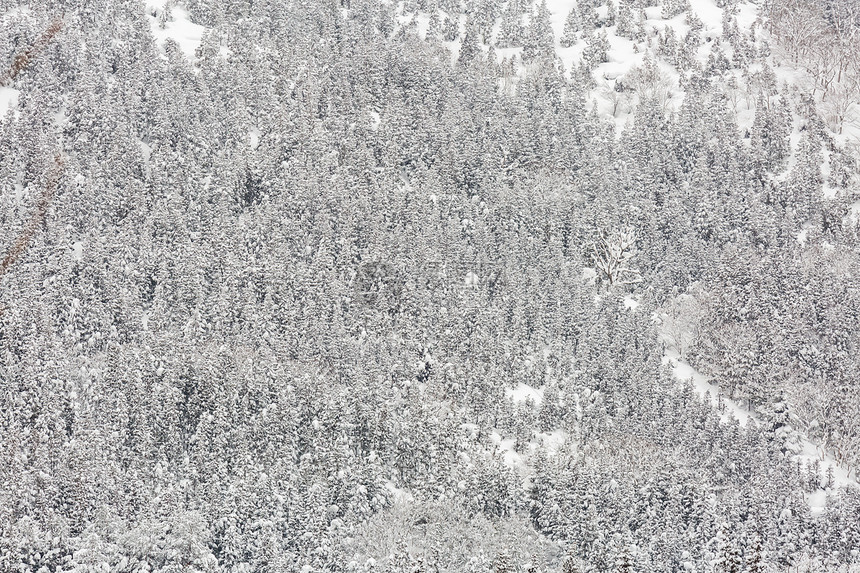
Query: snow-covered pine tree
[{"x": 570, "y": 35}]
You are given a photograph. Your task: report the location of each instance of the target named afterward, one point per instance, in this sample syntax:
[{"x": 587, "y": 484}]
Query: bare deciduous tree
[
  {"x": 649, "y": 83},
  {"x": 613, "y": 253},
  {"x": 797, "y": 25},
  {"x": 840, "y": 107}
]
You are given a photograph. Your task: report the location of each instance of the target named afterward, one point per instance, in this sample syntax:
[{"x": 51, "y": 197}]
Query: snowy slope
[
  {"x": 8, "y": 99},
  {"x": 625, "y": 54},
  {"x": 178, "y": 27},
  {"x": 803, "y": 449}
]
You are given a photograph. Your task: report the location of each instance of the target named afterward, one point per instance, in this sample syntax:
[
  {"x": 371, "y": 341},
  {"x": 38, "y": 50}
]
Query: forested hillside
[{"x": 376, "y": 286}]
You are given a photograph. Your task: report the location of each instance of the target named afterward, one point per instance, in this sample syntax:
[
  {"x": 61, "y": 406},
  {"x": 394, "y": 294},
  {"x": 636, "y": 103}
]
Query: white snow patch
[
  {"x": 745, "y": 114},
  {"x": 8, "y": 100},
  {"x": 590, "y": 275},
  {"x": 470, "y": 429},
  {"x": 454, "y": 46},
  {"x": 654, "y": 13},
  {"x": 747, "y": 13},
  {"x": 506, "y": 447},
  {"x": 611, "y": 104},
  {"x": 145, "y": 150},
  {"x": 558, "y": 11},
  {"x": 60, "y": 117},
  {"x": 658, "y": 24},
  {"x": 146, "y": 153},
  {"x": 399, "y": 494},
  {"x": 422, "y": 22},
  {"x": 631, "y": 302},
  {"x": 552, "y": 441},
  {"x": 78, "y": 251},
  {"x": 811, "y": 452},
  {"x": 571, "y": 56},
  {"x": 254, "y": 137},
  {"x": 855, "y": 212},
  {"x": 707, "y": 391},
  {"x": 524, "y": 392},
  {"x": 375, "y": 120},
  {"x": 711, "y": 16},
  {"x": 817, "y": 502},
  {"x": 180, "y": 29}
]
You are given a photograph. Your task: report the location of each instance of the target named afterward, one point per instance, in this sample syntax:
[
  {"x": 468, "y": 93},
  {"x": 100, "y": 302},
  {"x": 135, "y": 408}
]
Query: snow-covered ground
[
  {"x": 625, "y": 54},
  {"x": 800, "y": 447},
  {"x": 807, "y": 453},
  {"x": 708, "y": 392},
  {"x": 506, "y": 448},
  {"x": 805, "y": 450},
  {"x": 524, "y": 392},
  {"x": 8, "y": 99},
  {"x": 177, "y": 27}
]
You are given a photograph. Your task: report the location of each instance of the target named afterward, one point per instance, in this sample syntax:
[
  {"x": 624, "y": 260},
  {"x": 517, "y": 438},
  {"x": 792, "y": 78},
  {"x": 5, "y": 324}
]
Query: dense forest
[{"x": 376, "y": 286}]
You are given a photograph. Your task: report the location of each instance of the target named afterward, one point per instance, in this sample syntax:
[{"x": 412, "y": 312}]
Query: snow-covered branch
[{"x": 613, "y": 253}]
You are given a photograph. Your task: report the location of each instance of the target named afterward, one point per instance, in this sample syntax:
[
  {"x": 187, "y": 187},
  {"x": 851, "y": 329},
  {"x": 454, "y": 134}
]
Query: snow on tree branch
[
  {"x": 613, "y": 253},
  {"x": 23, "y": 59},
  {"x": 20, "y": 245}
]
